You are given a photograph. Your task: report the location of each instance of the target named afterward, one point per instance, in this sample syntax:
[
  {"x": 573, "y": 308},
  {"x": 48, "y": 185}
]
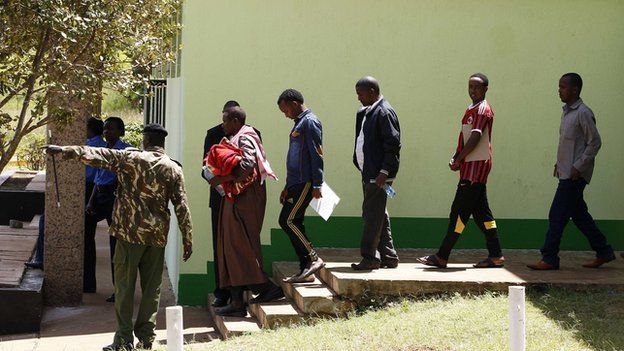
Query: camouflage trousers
[{"x": 147, "y": 261}]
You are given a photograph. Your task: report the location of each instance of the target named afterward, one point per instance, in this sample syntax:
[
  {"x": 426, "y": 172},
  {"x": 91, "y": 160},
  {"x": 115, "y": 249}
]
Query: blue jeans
[{"x": 569, "y": 203}]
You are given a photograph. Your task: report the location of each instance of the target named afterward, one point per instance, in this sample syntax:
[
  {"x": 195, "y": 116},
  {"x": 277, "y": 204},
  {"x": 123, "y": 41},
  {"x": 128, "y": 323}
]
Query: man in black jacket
[
  {"x": 214, "y": 136},
  {"x": 376, "y": 155}
]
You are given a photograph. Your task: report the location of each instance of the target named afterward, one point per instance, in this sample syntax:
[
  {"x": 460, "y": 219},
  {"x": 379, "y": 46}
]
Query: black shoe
[
  {"x": 365, "y": 265},
  {"x": 231, "y": 311},
  {"x": 219, "y": 302},
  {"x": 144, "y": 345},
  {"x": 111, "y": 298},
  {"x": 389, "y": 263},
  {"x": 88, "y": 290},
  {"x": 119, "y": 347},
  {"x": 34, "y": 265},
  {"x": 272, "y": 294}
]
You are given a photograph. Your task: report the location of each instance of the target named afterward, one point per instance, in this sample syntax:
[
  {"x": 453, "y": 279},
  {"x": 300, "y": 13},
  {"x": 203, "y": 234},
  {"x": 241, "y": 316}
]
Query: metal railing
[{"x": 154, "y": 102}]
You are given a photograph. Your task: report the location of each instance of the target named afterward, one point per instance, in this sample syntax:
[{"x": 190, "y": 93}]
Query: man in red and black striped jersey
[{"x": 473, "y": 160}]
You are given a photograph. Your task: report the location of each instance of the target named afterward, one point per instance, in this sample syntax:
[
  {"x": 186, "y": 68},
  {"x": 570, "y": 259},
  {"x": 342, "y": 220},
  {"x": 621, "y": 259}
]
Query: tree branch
[{"x": 32, "y": 79}]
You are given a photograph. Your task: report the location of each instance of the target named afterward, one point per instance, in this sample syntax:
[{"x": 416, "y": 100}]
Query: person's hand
[
  {"x": 283, "y": 196},
  {"x": 555, "y": 172},
  {"x": 316, "y": 193},
  {"x": 454, "y": 166},
  {"x": 89, "y": 209},
  {"x": 188, "y": 251},
  {"x": 52, "y": 149},
  {"x": 576, "y": 175},
  {"x": 381, "y": 179}
]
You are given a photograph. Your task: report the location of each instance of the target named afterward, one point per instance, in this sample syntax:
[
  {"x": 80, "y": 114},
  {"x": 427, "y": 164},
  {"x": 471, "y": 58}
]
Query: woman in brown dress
[{"x": 239, "y": 255}]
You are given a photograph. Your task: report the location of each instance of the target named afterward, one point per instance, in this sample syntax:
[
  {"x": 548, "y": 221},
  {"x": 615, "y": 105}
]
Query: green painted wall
[{"x": 422, "y": 52}]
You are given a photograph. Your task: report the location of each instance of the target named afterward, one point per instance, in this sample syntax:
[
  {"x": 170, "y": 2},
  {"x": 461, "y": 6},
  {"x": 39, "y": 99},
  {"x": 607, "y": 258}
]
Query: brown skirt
[{"x": 239, "y": 254}]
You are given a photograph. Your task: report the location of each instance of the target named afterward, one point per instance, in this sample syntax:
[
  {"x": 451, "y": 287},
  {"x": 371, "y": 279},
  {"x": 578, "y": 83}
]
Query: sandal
[
  {"x": 489, "y": 263},
  {"x": 432, "y": 260}
]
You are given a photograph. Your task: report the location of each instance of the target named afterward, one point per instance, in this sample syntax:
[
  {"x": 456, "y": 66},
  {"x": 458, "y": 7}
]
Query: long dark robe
[{"x": 239, "y": 253}]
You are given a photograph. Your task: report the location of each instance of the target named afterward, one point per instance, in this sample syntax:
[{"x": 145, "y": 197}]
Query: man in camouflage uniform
[{"x": 147, "y": 181}]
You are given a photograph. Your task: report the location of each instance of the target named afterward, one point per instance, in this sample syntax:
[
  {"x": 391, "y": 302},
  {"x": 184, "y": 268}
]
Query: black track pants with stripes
[{"x": 291, "y": 221}]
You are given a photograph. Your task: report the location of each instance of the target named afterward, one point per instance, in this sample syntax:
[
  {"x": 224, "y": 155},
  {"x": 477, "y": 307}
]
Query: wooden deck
[{"x": 16, "y": 248}]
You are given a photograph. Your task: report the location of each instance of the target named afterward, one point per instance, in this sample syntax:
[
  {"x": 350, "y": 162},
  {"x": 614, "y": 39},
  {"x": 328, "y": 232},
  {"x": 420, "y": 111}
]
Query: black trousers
[
  {"x": 218, "y": 292},
  {"x": 377, "y": 243},
  {"x": 291, "y": 221},
  {"x": 471, "y": 199},
  {"x": 103, "y": 206}
]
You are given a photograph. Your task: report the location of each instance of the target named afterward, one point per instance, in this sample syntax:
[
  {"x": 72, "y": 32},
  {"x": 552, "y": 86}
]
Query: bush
[
  {"x": 115, "y": 101},
  {"x": 29, "y": 153},
  {"x": 134, "y": 134}
]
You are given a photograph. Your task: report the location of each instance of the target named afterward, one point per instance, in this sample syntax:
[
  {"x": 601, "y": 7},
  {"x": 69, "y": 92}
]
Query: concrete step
[
  {"x": 411, "y": 278},
  {"x": 275, "y": 314},
  {"x": 232, "y": 326},
  {"x": 313, "y": 298}
]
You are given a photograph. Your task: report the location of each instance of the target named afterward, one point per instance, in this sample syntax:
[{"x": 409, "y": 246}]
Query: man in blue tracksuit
[
  {"x": 100, "y": 204},
  {"x": 304, "y": 177}
]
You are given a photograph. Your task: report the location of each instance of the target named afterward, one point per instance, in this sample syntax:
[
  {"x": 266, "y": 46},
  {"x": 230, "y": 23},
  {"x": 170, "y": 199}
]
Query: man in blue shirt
[
  {"x": 95, "y": 128},
  {"x": 304, "y": 178},
  {"x": 100, "y": 205}
]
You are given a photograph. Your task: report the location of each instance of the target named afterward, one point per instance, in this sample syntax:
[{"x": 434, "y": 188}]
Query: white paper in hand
[{"x": 326, "y": 204}]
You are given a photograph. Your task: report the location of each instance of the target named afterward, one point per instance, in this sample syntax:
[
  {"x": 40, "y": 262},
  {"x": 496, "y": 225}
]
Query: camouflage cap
[{"x": 155, "y": 128}]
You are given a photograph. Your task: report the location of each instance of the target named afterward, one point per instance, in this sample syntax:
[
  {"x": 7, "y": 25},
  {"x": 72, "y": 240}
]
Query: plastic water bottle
[{"x": 389, "y": 190}]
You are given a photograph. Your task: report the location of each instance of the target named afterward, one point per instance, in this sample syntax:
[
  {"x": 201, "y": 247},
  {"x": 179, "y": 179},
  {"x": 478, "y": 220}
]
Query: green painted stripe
[
  {"x": 193, "y": 289},
  {"x": 407, "y": 233}
]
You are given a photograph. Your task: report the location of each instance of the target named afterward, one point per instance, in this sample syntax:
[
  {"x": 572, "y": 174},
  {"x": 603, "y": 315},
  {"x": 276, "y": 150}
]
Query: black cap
[{"x": 155, "y": 128}]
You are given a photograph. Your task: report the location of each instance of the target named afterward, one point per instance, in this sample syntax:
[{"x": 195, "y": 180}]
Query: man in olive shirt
[
  {"x": 147, "y": 181},
  {"x": 579, "y": 143}
]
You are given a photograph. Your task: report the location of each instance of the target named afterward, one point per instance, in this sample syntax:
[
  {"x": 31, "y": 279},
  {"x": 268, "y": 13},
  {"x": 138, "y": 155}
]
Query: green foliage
[
  {"x": 56, "y": 55},
  {"x": 134, "y": 135},
  {"x": 29, "y": 153},
  {"x": 115, "y": 101}
]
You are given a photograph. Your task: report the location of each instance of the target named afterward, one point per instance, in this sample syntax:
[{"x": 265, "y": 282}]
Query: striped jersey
[{"x": 480, "y": 117}]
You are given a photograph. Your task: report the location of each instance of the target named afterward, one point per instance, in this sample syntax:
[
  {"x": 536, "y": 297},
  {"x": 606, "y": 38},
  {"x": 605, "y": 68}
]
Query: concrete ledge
[
  {"x": 22, "y": 307},
  {"x": 232, "y": 326},
  {"x": 275, "y": 314},
  {"x": 314, "y": 298},
  {"x": 417, "y": 279}
]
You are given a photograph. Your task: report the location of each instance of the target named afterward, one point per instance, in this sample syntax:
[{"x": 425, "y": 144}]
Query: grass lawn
[{"x": 556, "y": 320}]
